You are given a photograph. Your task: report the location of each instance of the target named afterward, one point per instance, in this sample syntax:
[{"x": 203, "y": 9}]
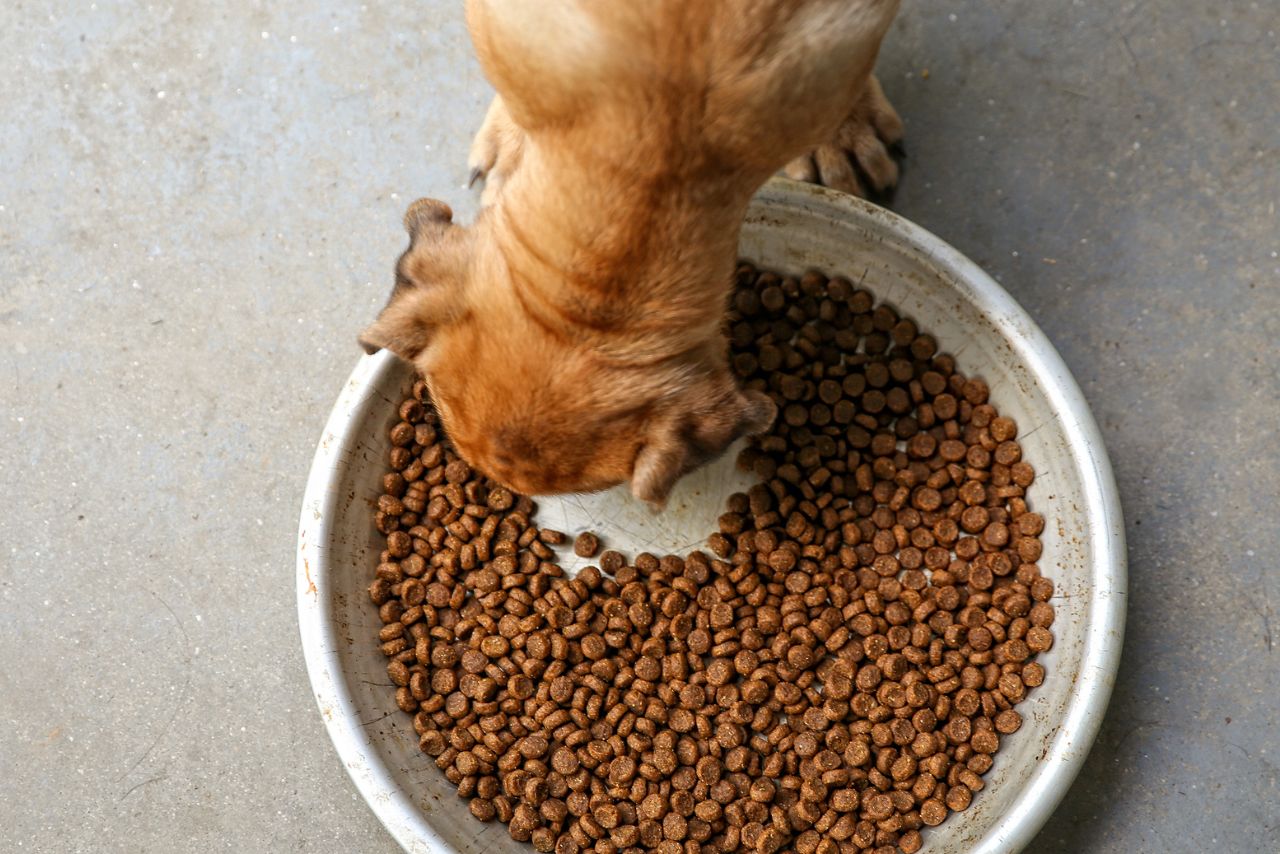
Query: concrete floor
[{"x": 199, "y": 210}]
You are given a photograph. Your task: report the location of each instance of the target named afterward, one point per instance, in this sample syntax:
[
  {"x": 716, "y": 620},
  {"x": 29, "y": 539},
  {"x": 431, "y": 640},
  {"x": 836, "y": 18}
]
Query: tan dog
[{"x": 572, "y": 338}]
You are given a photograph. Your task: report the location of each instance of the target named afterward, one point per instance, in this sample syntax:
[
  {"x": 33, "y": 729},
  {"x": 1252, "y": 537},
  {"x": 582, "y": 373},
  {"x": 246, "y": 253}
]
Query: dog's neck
[{"x": 638, "y": 264}]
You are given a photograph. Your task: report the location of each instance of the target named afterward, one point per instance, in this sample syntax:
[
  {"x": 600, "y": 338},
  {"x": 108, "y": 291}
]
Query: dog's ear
[
  {"x": 428, "y": 289},
  {"x": 694, "y": 429},
  {"x": 405, "y": 326}
]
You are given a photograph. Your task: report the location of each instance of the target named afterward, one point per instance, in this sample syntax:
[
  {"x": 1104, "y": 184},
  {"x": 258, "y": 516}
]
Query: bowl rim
[{"x": 1082, "y": 716}]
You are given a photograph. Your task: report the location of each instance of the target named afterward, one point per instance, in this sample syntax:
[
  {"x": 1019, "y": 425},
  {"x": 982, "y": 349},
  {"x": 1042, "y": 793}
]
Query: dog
[{"x": 572, "y": 338}]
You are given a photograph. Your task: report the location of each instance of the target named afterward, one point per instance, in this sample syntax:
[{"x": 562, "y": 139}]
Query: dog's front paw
[
  {"x": 861, "y": 151},
  {"x": 496, "y": 150}
]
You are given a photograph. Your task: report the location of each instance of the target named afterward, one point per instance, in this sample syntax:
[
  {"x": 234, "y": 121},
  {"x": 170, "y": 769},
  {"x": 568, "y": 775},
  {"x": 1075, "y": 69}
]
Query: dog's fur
[{"x": 572, "y": 337}]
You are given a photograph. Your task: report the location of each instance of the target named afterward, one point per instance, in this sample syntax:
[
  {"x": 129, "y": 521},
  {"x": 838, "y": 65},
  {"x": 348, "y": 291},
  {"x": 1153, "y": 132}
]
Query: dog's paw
[
  {"x": 495, "y": 151},
  {"x": 861, "y": 153}
]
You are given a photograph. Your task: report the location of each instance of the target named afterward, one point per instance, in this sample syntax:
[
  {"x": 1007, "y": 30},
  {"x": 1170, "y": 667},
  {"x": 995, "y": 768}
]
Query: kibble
[
  {"x": 586, "y": 544},
  {"x": 834, "y": 674}
]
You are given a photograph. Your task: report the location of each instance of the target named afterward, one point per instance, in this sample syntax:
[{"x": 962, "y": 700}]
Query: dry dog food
[
  {"x": 586, "y": 545},
  {"x": 833, "y": 674}
]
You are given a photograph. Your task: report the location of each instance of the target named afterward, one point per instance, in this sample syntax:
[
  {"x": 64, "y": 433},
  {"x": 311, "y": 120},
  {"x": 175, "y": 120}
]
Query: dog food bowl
[{"x": 791, "y": 228}]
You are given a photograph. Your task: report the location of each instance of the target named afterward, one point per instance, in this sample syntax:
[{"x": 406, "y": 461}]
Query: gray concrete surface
[{"x": 199, "y": 207}]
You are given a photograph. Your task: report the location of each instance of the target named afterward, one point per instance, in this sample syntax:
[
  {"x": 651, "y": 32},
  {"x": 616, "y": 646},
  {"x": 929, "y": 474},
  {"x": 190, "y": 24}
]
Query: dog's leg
[
  {"x": 859, "y": 150},
  {"x": 496, "y": 150}
]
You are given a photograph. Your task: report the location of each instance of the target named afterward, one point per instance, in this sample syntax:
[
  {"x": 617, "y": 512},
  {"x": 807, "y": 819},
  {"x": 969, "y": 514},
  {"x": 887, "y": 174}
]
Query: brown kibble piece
[
  {"x": 1039, "y": 639},
  {"x": 586, "y": 544},
  {"x": 564, "y": 761},
  {"x": 1003, "y": 429},
  {"x": 932, "y": 812},
  {"x": 769, "y": 841},
  {"x": 483, "y": 809},
  {"x": 985, "y": 741},
  {"x": 959, "y": 797},
  {"x": 1008, "y": 722}
]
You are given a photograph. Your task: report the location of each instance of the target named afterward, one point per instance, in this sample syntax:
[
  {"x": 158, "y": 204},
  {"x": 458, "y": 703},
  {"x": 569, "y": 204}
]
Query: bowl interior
[{"x": 791, "y": 228}]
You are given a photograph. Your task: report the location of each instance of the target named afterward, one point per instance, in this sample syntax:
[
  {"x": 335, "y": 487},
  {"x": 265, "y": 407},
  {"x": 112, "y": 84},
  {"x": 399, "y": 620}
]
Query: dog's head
[{"x": 537, "y": 411}]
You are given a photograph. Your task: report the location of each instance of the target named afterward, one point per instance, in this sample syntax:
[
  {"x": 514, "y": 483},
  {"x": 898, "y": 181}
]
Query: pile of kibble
[{"x": 833, "y": 674}]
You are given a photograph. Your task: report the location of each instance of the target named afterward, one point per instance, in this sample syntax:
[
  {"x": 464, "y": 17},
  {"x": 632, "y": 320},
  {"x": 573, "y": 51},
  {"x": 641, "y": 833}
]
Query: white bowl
[{"x": 791, "y": 228}]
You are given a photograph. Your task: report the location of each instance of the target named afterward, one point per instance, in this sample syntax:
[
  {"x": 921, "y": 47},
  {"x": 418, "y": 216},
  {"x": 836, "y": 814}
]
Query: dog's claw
[{"x": 476, "y": 175}]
